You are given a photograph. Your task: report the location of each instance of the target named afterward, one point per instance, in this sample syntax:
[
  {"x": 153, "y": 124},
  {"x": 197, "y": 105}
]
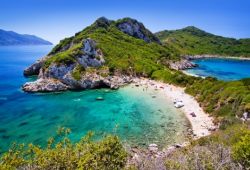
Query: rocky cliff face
[
  {"x": 136, "y": 29},
  {"x": 59, "y": 77},
  {"x": 35, "y": 68}
]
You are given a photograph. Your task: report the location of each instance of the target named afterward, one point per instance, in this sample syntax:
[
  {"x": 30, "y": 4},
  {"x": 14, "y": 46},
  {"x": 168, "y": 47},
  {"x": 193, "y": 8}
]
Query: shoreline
[
  {"x": 190, "y": 74},
  {"x": 202, "y": 124},
  {"x": 207, "y": 56}
]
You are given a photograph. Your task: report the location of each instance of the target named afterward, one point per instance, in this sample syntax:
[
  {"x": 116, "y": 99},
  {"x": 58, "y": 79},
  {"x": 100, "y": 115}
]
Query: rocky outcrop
[
  {"x": 34, "y": 68},
  {"x": 92, "y": 57},
  {"x": 152, "y": 155},
  {"x": 44, "y": 85},
  {"x": 182, "y": 64},
  {"x": 88, "y": 81},
  {"x": 59, "y": 77},
  {"x": 103, "y": 22},
  {"x": 136, "y": 29}
]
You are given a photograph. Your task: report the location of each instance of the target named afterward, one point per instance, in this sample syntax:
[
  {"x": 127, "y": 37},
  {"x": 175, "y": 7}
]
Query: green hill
[
  {"x": 122, "y": 50},
  {"x": 193, "y": 41}
]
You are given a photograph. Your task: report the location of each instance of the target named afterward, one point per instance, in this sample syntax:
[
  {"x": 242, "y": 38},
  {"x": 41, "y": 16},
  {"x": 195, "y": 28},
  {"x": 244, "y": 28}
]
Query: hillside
[
  {"x": 95, "y": 56},
  {"x": 13, "y": 38},
  {"x": 193, "y": 41}
]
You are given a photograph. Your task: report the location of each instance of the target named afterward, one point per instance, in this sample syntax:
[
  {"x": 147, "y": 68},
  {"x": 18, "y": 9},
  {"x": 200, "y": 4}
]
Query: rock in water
[{"x": 44, "y": 85}]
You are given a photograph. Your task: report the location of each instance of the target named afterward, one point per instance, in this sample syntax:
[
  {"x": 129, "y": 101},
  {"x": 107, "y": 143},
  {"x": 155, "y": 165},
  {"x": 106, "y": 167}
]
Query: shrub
[
  {"x": 77, "y": 72},
  {"x": 241, "y": 150},
  {"x": 107, "y": 153}
]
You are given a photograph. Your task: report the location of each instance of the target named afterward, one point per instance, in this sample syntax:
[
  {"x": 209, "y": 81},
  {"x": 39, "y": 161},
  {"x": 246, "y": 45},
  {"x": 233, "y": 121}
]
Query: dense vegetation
[
  {"x": 192, "y": 41},
  {"x": 85, "y": 154},
  {"x": 224, "y": 100}
]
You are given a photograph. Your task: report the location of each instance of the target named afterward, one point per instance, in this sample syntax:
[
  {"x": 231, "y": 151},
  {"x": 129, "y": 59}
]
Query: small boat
[
  {"x": 178, "y": 104},
  {"x": 99, "y": 98}
]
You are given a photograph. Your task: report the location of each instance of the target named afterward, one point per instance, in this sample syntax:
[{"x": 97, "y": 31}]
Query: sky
[{"x": 54, "y": 20}]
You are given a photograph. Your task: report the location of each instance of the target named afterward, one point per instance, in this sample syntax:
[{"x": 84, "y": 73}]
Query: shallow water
[
  {"x": 223, "y": 69},
  {"x": 130, "y": 112}
]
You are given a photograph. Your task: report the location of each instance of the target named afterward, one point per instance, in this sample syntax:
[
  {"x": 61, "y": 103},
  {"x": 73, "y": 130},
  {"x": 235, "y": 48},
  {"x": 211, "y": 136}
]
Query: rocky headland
[
  {"x": 78, "y": 65},
  {"x": 60, "y": 77}
]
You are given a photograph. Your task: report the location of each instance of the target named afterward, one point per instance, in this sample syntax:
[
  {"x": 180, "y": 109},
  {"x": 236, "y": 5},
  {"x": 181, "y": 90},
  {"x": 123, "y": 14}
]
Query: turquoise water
[
  {"x": 130, "y": 112},
  {"x": 223, "y": 69}
]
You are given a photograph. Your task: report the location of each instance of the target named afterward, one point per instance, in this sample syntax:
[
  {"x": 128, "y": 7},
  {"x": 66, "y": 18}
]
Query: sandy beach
[{"x": 201, "y": 123}]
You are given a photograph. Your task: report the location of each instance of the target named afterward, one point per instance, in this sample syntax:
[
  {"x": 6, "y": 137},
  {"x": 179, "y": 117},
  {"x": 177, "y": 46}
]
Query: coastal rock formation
[
  {"x": 58, "y": 77},
  {"x": 44, "y": 85},
  {"x": 34, "y": 68},
  {"x": 182, "y": 64}
]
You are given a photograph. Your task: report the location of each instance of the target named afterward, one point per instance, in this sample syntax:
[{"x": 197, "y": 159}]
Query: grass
[{"x": 77, "y": 72}]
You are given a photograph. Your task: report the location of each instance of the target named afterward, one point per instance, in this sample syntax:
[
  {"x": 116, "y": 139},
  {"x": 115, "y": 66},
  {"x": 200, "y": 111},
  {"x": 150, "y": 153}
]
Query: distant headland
[{"x": 8, "y": 38}]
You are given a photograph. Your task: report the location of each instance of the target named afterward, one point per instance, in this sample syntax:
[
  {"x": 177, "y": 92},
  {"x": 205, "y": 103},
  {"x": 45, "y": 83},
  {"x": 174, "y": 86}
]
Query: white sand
[{"x": 201, "y": 123}]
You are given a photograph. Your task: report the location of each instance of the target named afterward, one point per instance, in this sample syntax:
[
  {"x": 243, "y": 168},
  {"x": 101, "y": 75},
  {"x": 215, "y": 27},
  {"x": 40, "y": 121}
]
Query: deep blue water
[
  {"x": 130, "y": 112},
  {"x": 223, "y": 69}
]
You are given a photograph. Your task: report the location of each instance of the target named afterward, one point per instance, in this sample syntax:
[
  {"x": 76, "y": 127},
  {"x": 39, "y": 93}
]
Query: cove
[
  {"x": 138, "y": 116},
  {"x": 221, "y": 68}
]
